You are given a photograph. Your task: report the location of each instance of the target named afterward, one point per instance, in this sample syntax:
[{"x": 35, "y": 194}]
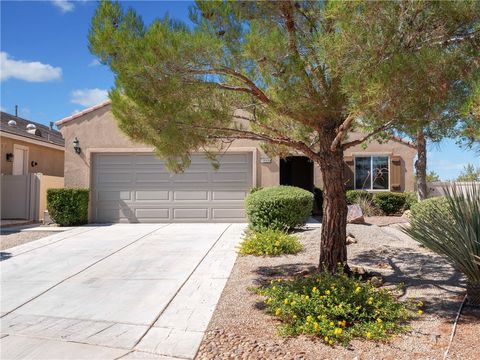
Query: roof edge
[
  {"x": 403, "y": 141},
  {"x": 81, "y": 113}
]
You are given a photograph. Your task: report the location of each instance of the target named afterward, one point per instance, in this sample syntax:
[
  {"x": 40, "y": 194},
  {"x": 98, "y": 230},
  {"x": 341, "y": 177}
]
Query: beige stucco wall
[
  {"x": 49, "y": 160},
  {"x": 390, "y": 148},
  {"x": 97, "y": 131}
]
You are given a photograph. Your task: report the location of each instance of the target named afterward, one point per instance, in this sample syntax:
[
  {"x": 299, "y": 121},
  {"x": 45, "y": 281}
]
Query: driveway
[{"x": 128, "y": 291}]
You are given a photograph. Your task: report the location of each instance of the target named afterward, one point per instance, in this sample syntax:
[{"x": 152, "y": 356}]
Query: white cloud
[
  {"x": 94, "y": 62},
  {"x": 88, "y": 97},
  {"x": 29, "y": 71},
  {"x": 64, "y": 5}
]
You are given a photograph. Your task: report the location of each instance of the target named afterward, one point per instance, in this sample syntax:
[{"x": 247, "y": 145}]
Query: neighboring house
[
  {"x": 30, "y": 147},
  {"x": 32, "y": 157},
  {"x": 129, "y": 184}
]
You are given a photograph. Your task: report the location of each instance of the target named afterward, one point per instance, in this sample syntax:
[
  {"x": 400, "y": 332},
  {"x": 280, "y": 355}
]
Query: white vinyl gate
[{"x": 136, "y": 187}]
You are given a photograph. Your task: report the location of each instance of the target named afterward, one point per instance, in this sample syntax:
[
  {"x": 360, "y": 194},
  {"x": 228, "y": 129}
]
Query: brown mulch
[{"x": 240, "y": 328}]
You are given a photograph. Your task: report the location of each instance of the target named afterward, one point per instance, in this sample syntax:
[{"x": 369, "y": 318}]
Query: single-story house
[
  {"x": 30, "y": 147},
  {"x": 129, "y": 184}
]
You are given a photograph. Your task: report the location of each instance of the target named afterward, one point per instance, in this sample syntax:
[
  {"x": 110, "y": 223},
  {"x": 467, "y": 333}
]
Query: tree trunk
[
  {"x": 421, "y": 165},
  {"x": 333, "y": 247}
]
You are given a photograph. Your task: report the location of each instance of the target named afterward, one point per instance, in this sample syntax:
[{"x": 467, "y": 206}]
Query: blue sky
[{"x": 48, "y": 71}]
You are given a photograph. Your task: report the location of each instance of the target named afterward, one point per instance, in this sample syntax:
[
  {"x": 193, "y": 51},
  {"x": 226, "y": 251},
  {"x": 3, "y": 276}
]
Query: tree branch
[
  {"x": 341, "y": 131},
  {"x": 366, "y": 137}
]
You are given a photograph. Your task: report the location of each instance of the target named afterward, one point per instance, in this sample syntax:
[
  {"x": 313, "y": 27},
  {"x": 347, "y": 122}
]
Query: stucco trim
[
  {"x": 81, "y": 113},
  {"x": 31, "y": 141}
]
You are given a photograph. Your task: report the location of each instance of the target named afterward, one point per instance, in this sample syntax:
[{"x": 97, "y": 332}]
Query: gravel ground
[
  {"x": 240, "y": 328},
  {"x": 11, "y": 239},
  {"x": 385, "y": 220}
]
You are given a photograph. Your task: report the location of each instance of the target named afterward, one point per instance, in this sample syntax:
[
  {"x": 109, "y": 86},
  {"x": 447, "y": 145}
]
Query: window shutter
[
  {"x": 396, "y": 173},
  {"x": 348, "y": 172}
]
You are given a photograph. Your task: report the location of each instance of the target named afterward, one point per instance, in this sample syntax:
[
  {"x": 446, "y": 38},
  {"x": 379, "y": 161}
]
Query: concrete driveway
[{"x": 128, "y": 291}]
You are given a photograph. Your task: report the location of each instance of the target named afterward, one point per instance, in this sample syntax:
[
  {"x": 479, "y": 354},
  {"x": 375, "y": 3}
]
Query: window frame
[{"x": 371, "y": 156}]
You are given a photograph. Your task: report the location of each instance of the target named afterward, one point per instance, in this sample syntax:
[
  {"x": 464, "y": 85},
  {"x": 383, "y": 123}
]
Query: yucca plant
[{"x": 453, "y": 230}]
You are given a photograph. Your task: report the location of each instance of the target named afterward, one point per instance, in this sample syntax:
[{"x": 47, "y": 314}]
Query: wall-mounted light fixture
[
  {"x": 33, "y": 163},
  {"x": 76, "y": 146},
  {"x": 9, "y": 157}
]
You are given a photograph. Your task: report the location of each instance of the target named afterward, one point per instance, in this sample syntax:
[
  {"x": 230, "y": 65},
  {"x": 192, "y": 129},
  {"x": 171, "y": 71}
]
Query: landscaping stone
[{"x": 355, "y": 215}]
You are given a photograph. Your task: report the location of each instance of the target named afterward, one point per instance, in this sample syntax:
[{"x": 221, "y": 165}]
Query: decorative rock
[
  {"x": 351, "y": 240},
  {"x": 355, "y": 215},
  {"x": 377, "y": 281},
  {"x": 406, "y": 214}
]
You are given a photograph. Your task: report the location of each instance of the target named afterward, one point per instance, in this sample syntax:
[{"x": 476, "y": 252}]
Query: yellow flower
[
  {"x": 332, "y": 323},
  {"x": 327, "y": 292},
  {"x": 314, "y": 290},
  {"x": 342, "y": 323},
  {"x": 370, "y": 299},
  {"x": 274, "y": 288},
  {"x": 279, "y": 280},
  {"x": 294, "y": 316},
  {"x": 293, "y": 303},
  {"x": 420, "y": 312},
  {"x": 337, "y": 331},
  {"x": 420, "y": 304},
  {"x": 339, "y": 306},
  {"x": 369, "y": 335},
  {"x": 285, "y": 301},
  {"x": 309, "y": 318},
  {"x": 269, "y": 300},
  {"x": 358, "y": 289},
  {"x": 278, "y": 311},
  {"x": 277, "y": 243},
  {"x": 330, "y": 342},
  {"x": 379, "y": 320},
  {"x": 358, "y": 308},
  {"x": 326, "y": 338},
  {"x": 316, "y": 327},
  {"x": 307, "y": 297}
]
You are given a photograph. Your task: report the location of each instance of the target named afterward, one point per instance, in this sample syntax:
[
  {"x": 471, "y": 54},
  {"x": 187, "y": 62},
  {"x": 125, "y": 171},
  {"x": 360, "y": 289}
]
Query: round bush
[
  {"x": 68, "y": 207},
  {"x": 390, "y": 202},
  {"x": 353, "y": 196},
  {"x": 423, "y": 210},
  {"x": 279, "y": 207}
]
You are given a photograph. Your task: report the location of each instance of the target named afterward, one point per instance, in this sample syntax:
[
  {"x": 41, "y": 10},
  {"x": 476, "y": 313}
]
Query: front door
[
  {"x": 20, "y": 158},
  {"x": 297, "y": 171}
]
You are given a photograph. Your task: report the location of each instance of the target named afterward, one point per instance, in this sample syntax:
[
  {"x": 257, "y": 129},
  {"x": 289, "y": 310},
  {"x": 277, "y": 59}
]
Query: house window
[{"x": 371, "y": 172}]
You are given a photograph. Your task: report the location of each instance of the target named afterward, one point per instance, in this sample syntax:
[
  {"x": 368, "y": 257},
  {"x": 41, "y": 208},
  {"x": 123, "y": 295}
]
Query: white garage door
[{"x": 138, "y": 188}]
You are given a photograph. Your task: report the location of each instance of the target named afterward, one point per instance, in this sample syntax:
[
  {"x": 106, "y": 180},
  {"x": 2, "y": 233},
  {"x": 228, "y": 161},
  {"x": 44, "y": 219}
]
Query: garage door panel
[
  {"x": 189, "y": 214},
  {"x": 113, "y": 195},
  {"x": 222, "y": 214},
  {"x": 190, "y": 195},
  {"x": 157, "y": 213},
  {"x": 229, "y": 195},
  {"x": 152, "y": 195},
  {"x": 138, "y": 188}
]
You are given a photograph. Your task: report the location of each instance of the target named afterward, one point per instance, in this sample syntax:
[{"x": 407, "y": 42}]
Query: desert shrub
[
  {"x": 270, "y": 242},
  {"x": 450, "y": 226},
  {"x": 279, "y": 207},
  {"x": 336, "y": 308},
  {"x": 68, "y": 207},
  {"x": 411, "y": 199},
  {"x": 390, "y": 202},
  {"x": 368, "y": 209},
  {"x": 424, "y": 209},
  {"x": 353, "y": 196},
  {"x": 255, "y": 189}
]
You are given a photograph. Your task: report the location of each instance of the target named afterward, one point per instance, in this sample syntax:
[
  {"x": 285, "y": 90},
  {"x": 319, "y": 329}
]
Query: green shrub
[
  {"x": 450, "y": 226},
  {"x": 353, "y": 196},
  {"x": 411, "y": 199},
  {"x": 425, "y": 209},
  {"x": 68, "y": 207},
  {"x": 390, "y": 202},
  {"x": 270, "y": 242},
  {"x": 279, "y": 207},
  {"x": 336, "y": 308}
]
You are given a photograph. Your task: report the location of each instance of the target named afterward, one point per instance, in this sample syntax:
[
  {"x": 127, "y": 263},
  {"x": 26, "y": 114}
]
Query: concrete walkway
[{"x": 128, "y": 291}]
